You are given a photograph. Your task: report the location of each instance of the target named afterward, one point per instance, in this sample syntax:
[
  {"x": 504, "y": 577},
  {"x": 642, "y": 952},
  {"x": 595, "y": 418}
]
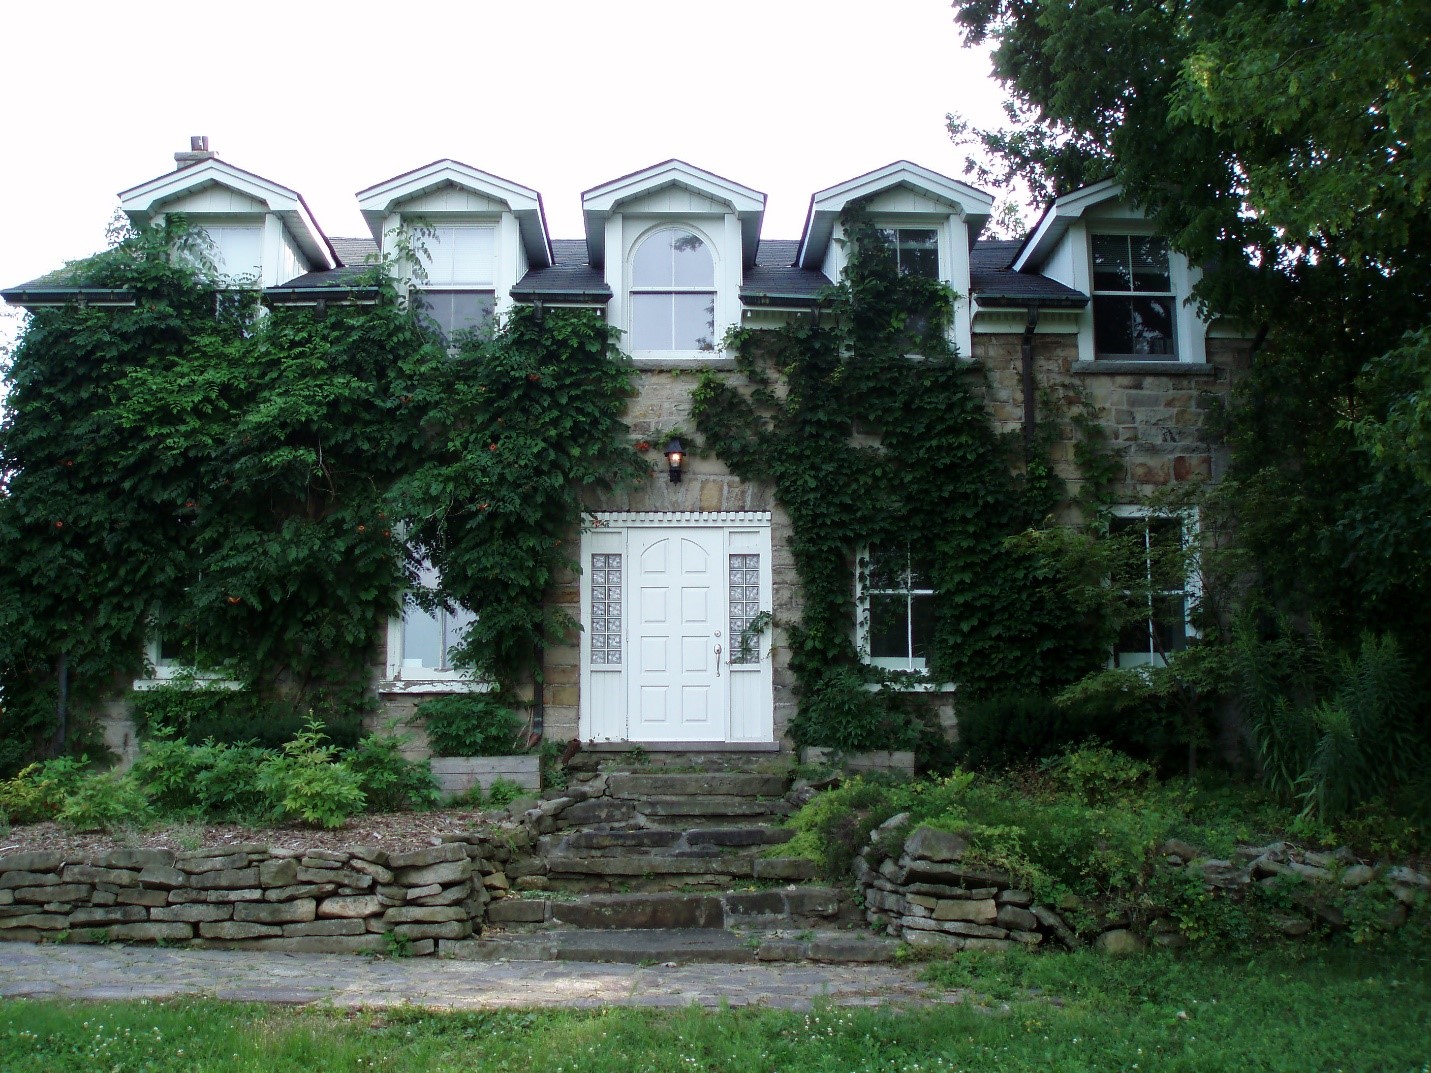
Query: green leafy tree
[{"x": 1284, "y": 149}]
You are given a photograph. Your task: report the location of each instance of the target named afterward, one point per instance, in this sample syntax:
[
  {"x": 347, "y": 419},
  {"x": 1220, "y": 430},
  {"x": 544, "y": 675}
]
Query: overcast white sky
[{"x": 786, "y": 96}]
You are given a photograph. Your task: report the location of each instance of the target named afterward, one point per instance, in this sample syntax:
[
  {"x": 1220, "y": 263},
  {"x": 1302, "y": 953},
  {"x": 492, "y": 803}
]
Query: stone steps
[
  {"x": 659, "y": 871},
  {"x": 670, "y": 841},
  {"x": 794, "y": 906},
  {"x": 673, "y": 945}
]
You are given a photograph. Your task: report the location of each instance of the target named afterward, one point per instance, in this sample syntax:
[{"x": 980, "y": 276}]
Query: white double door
[{"x": 666, "y": 652}]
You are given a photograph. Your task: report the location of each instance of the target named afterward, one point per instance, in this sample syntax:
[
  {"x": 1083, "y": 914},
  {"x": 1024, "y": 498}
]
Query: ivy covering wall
[
  {"x": 260, "y": 489},
  {"x": 867, "y": 424}
]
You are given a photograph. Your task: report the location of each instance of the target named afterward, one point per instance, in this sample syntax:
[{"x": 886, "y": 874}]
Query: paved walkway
[{"x": 120, "y": 972}]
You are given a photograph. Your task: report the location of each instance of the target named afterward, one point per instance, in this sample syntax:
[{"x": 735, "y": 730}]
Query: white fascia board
[
  {"x": 1055, "y": 221},
  {"x": 377, "y": 202},
  {"x": 973, "y": 204},
  {"x": 141, "y": 203},
  {"x": 600, "y": 202}
]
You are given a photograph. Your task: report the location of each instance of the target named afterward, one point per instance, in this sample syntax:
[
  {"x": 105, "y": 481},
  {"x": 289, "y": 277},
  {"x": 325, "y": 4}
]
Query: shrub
[
  {"x": 1098, "y": 775},
  {"x": 840, "y": 711},
  {"x": 307, "y": 780},
  {"x": 997, "y": 732},
  {"x": 503, "y": 792},
  {"x": 390, "y": 781},
  {"x": 103, "y": 802},
  {"x": 37, "y": 793},
  {"x": 474, "y": 724},
  {"x": 1355, "y": 742}
]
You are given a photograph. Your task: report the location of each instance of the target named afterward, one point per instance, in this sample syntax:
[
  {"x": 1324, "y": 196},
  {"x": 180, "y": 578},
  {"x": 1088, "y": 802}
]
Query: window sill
[
  {"x": 398, "y": 686},
  {"x": 912, "y": 686},
  {"x": 653, "y": 362},
  {"x": 1155, "y": 367},
  {"x": 184, "y": 681}
]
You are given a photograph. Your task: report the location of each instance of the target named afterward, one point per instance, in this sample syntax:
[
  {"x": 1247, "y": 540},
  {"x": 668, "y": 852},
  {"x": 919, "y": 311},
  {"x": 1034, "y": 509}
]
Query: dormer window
[
  {"x": 237, "y": 252},
  {"x": 673, "y": 293},
  {"x": 915, "y": 249},
  {"x": 459, "y": 293},
  {"x": 1134, "y": 307}
]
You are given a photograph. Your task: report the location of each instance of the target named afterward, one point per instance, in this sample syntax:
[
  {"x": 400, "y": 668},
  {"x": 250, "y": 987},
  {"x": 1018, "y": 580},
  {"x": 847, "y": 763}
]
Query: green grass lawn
[{"x": 1325, "y": 1010}]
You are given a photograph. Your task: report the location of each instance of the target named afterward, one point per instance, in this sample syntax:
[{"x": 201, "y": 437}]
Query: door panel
[{"x": 678, "y": 690}]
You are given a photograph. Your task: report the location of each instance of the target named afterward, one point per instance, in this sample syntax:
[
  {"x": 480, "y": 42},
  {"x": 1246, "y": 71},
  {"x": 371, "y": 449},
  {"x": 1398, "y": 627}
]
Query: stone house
[{"x": 1091, "y": 305}]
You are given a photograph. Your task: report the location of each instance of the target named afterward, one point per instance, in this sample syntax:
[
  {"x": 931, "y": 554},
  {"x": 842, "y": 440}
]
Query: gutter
[
  {"x": 320, "y": 295},
  {"x": 40, "y": 297},
  {"x": 782, "y": 301},
  {"x": 572, "y": 298}
]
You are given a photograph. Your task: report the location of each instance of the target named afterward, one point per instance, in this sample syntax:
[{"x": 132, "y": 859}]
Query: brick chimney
[{"x": 199, "y": 151}]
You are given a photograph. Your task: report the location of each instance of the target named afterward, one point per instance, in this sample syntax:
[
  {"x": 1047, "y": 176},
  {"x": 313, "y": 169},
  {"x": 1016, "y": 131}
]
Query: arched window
[{"x": 673, "y": 293}]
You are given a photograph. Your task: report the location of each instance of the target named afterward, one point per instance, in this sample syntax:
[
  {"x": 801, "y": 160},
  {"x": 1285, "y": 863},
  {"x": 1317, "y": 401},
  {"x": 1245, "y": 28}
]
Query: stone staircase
[{"x": 667, "y": 867}]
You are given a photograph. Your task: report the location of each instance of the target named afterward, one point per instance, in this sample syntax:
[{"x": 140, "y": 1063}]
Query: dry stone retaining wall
[
  {"x": 259, "y": 897},
  {"x": 928, "y": 894}
]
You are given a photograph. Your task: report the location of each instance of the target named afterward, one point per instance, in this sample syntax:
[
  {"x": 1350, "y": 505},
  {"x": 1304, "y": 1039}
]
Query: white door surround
[{"x": 666, "y": 658}]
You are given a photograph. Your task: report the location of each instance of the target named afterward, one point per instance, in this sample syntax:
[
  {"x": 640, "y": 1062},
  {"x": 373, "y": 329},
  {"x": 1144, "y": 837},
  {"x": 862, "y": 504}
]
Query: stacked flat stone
[
  {"x": 930, "y": 896},
  {"x": 255, "y": 897}
]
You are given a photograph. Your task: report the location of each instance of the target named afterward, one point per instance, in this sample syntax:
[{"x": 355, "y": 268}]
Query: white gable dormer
[
  {"x": 930, "y": 219},
  {"x": 673, "y": 241},
  {"x": 261, "y": 232},
  {"x": 483, "y": 234},
  {"x": 1096, "y": 242}
]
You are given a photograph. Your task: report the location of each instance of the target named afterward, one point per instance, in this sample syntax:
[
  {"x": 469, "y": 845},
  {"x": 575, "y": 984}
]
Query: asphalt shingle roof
[
  {"x": 774, "y": 274},
  {"x": 568, "y": 275},
  {"x": 991, "y": 278},
  {"x": 355, "y": 251}
]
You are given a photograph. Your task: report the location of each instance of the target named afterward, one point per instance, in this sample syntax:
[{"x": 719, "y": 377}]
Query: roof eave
[{"x": 52, "y": 297}]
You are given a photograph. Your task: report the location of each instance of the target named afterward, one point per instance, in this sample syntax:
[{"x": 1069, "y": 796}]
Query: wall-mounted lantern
[{"x": 675, "y": 455}]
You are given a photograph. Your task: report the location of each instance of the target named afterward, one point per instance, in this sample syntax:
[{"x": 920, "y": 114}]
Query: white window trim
[
  {"x": 161, "y": 673},
  {"x": 917, "y": 680},
  {"x": 1189, "y": 329},
  {"x": 714, "y": 290},
  {"x": 1192, "y": 582},
  {"x": 399, "y": 678}
]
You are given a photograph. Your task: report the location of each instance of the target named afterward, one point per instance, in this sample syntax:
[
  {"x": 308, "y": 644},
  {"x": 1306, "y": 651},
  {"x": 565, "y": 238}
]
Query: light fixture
[{"x": 675, "y": 455}]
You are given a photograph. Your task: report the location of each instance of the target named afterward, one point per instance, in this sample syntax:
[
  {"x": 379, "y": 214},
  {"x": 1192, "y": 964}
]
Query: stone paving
[{"x": 117, "y": 972}]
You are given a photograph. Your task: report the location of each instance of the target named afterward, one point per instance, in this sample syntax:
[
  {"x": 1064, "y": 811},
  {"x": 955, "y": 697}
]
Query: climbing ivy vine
[
  {"x": 261, "y": 489},
  {"x": 865, "y": 422}
]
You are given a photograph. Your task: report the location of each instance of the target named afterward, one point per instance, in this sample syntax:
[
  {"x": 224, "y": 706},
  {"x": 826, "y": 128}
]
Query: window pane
[
  {"x": 450, "y": 312},
  {"x": 455, "y": 624},
  {"x": 1112, "y": 268},
  {"x": 887, "y": 566},
  {"x": 422, "y": 643},
  {"x": 1170, "y": 618},
  {"x": 919, "y": 252},
  {"x": 694, "y": 322},
  {"x": 1150, "y": 264},
  {"x": 1133, "y": 327},
  {"x": 921, "y": 620},
  {"x": 889, "y": 625},
  {"x": 673, "y": 258},
  {"x": 171, "y": 650},
  {"x": 691, "y": 264},
  {"x": 651, "y": 327}
]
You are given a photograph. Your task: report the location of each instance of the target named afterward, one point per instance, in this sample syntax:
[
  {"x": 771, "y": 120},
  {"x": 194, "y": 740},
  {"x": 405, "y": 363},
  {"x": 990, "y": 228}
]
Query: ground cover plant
[
  {"x": 308, "y": 779},
  {"x": 1279, "y": 1014},
  {"x": 1087, "y": 830}
]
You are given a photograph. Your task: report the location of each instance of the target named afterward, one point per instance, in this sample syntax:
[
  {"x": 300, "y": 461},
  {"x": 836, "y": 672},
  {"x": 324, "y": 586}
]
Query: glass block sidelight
[
  {"x": 606, "y": 610},
  {"x": 744, "y": 606}
]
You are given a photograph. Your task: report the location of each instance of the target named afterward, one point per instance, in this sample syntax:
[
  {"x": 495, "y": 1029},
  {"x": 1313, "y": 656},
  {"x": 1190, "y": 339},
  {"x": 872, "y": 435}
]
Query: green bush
[
  {"x": 37, "y": 793},
  {"x": 503, "y": 792},
  {"x": 307, "y": 780},
  {"x": 1098, "y": 775},
  {"x": 472, "y": 724},
  {"x": 104, "y": 802},
  {"x": 1335, "y": 731},
  {"x": 997, "y": 732},
  {"x": 390, "y": 782},
  {"x": 840, "y": 711}
]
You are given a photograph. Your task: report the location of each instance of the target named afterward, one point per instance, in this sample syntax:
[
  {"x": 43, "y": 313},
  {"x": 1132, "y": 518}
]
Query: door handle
[{"x": 717, "y": 655}]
